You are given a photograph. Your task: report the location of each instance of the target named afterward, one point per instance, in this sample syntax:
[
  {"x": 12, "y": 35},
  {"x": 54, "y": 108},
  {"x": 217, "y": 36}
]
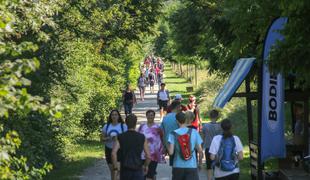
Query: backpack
[
  {"x": 227, "y": 154},
  {"x": 151, "y": 77},
  {"x": 184, "y": 146}
]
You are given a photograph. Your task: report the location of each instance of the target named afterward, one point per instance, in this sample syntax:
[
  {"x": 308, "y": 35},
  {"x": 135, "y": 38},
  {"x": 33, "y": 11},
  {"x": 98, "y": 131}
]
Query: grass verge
[{"x": 85, "y": 154}]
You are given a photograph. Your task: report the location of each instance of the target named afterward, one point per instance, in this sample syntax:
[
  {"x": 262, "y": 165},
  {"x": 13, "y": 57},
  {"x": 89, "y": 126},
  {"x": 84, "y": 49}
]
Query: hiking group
[{"x": 134, "y": 153}]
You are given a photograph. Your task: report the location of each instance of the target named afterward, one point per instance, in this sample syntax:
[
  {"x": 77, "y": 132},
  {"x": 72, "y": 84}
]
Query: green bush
[{"x": 63, "y": 66}]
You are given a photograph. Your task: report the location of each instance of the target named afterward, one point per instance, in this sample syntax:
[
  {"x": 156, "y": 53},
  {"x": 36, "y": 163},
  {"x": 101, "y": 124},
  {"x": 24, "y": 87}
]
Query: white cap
[{"x": 178, "y": 97}]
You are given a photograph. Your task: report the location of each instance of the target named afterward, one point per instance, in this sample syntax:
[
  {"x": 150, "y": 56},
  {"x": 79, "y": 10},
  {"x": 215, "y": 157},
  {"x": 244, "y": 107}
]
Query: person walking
[
  {"x": 185, "y": 164},
  {"x": 192, "y": 106},
  {"x": 153, "y": 134},
  {"x": 160, "y": 79},
  {"x": 151, "y": 80},
  {"x": 129, "y": 99},
  {"x": 115, "y": 126},
  {"x": 210, "y": 130},
  {"x": 177, "y": 97},
  {"x": 131, "y": 144},
  {"x": 170, "y": 124},
  {"x": 141, "y": 85},
  {"x": 163, "y": 99},
  {"x": 226, "y": 150}
]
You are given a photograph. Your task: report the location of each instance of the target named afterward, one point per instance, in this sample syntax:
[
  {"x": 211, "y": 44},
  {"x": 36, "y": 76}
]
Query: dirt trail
[{"x": 100, "y": 170}]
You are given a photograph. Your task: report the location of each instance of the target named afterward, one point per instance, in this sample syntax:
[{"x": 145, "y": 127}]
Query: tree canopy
[
  {"x": 63, "y": 66},
  {"x": 221, "y": 32}
]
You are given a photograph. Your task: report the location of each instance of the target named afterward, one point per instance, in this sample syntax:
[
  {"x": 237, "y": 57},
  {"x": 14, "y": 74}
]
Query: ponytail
[{"x": 226, "y": 126}]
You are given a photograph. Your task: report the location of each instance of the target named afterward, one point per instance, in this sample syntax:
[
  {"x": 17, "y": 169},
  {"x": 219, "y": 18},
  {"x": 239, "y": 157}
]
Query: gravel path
[{"x": 100, "y": 170}]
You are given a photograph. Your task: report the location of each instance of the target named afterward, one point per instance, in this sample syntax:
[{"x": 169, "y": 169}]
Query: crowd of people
[
  {"x": 134, "y": 153},
  {"x": 151, "y": 69}
]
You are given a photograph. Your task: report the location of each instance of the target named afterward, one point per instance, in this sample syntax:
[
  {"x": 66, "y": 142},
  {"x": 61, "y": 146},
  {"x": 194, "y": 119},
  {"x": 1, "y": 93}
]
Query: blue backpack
[{"x": 227, "y": 154}]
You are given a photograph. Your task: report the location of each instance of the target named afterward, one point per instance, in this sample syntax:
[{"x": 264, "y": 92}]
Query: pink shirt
[{"x": 152, "y": 134}]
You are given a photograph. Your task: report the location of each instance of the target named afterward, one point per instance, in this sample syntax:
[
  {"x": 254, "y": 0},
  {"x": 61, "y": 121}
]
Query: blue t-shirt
[
  {"x": 168, "y": 125},
  {"x": 113, "y": 131},
  {"x": 178, "y": 161}
]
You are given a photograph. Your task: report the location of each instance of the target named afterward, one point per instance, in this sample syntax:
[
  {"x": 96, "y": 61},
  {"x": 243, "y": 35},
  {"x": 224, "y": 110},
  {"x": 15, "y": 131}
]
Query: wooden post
[
  {"x": 306, "y": 120},
  {"x": 181, "y": 71},
  {"x": 192, "y": 74},
  {"x": 196, "y": 82},
  {"x": 187, "y": 74},
  {"x": 260, "y": 165},
  {"x": 249, "y": 109}
]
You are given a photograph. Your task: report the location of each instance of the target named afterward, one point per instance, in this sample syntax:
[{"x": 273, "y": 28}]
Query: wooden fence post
[
  {"x": 187, "y": 74},
  {"x": 196, "y": 82}
]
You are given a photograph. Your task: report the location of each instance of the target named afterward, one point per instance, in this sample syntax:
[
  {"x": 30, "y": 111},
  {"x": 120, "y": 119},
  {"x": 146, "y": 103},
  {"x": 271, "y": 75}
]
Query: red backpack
[{"x": 184, "y": 146}]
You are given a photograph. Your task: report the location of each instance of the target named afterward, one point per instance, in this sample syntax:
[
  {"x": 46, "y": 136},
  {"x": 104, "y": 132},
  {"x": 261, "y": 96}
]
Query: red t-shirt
[{"x": 195, "y": 123}]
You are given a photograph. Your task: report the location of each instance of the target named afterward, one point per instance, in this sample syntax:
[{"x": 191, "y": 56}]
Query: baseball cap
[{"x": 178, "y": 97}]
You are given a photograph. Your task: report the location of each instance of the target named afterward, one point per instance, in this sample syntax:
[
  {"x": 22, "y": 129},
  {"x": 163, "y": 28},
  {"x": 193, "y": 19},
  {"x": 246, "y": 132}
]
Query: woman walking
[
  {"x": 141, "y": 85},
  {"x": 153, "y": 134},
  {"x": 114, "y": 127},
  {"x": 129, "y": 99},
  {"x": 226, "y": 150},
  {"x": 192, "y": 106}
]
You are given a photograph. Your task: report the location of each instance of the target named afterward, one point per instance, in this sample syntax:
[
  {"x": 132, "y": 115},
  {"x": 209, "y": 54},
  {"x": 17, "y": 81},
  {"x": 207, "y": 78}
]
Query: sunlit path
[{"x": 100, "y": 170}]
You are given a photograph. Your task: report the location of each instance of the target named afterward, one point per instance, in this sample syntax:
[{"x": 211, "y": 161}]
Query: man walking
[
  {"x": 131, "y": 144},
  {"x": 170, "y": 124}
]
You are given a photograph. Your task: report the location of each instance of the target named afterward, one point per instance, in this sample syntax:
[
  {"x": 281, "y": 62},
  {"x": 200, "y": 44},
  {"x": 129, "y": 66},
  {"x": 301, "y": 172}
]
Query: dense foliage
[
  {"x": 63, "y": 66},
  {"x": 221, "y": 31}
]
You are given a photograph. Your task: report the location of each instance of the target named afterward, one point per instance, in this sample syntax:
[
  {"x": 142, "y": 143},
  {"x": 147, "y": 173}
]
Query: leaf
[
  {"x": 3, "y": 92},
  {"x": 58, "y": 115}
]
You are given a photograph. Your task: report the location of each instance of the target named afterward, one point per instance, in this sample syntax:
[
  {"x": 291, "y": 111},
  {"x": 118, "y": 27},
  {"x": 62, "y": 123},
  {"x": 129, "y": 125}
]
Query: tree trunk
[
  {"x": 181, "y": 71},
  {"x": 196, "y": 81}
]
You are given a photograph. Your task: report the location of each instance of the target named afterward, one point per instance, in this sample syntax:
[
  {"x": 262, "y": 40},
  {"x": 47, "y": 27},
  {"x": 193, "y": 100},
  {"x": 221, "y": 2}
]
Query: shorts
[
  {"x": 163, "y": 104},
  {"x": 152, "y": 170},
  {"x": 126, "y": 174},
  {"x": 208, "y": 160},
  {"x": 152, "y": 83},
  {"x": 141, "y": 88},
  {"x": 185, "y": 174},
  {"x": 108, "y": 155}
]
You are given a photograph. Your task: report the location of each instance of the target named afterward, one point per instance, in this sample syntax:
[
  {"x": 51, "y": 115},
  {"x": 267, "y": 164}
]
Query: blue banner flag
[
  {"x": 239, "y": 73},
  {"x": 272, "y": 126}
]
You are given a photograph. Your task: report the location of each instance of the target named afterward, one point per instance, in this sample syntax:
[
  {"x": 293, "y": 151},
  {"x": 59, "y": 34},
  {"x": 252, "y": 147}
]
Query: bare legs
[{"x": 142, "y": 93}]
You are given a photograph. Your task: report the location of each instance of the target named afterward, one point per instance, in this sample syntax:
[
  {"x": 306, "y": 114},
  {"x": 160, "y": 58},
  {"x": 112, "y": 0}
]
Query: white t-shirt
[
  {"x": 163, "y": 95},
  {"x": 214, "y": 148},
  {"x": 113, "y": 131}
]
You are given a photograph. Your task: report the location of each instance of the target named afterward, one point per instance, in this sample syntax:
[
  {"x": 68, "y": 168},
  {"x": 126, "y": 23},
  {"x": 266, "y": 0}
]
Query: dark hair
[
  {"x": 150, "y": 111},
  {"x": 175, "y": 104},
  {"x": 162, "y": 84},
  {"x": 214, "y": 114},
  {"x": 181, "y": 118},
  {"x": 120, "y": 119},
  {"x": 131, "y": 121},
  {"x": 226, "y": 126}
]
